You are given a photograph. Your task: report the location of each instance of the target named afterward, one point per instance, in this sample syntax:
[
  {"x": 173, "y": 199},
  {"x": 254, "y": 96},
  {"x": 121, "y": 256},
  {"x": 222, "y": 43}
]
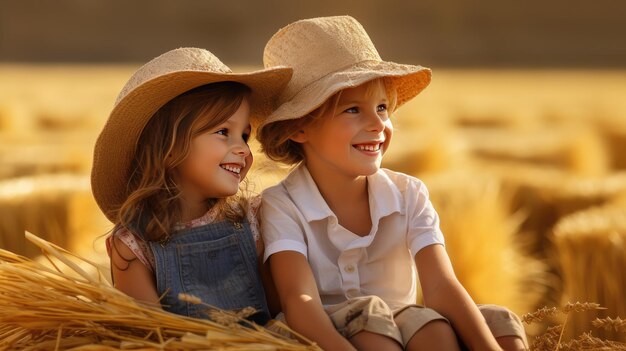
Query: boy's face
[{"x": 351, "y": 139}]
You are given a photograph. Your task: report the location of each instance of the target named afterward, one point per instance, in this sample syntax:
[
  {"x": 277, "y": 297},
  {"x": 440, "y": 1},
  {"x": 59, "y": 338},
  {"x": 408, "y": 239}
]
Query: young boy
[{"x": 346, "y": 239}]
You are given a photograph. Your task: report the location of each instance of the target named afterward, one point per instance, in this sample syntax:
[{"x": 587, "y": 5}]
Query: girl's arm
[
  {"x": 301, "y": 302},
  {"x": 271, "y": 295},
  {"x": 444, "y": 293},
  {"x": 130, "y": 276}
]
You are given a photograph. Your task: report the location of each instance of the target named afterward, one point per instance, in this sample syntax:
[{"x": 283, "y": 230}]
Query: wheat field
[{"x": 527, "y": 169}]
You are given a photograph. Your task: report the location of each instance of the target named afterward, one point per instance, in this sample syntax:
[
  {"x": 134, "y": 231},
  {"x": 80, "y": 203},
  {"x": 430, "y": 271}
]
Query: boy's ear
[{"x": 299, "y": 137}]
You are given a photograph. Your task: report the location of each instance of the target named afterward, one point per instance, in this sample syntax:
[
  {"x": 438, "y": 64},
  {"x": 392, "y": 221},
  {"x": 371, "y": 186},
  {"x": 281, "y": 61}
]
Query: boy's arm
[
  {"x": 130, "y": 276},
  {"x": 444, "y": 293},
  {"x": 301, "y": 303}
]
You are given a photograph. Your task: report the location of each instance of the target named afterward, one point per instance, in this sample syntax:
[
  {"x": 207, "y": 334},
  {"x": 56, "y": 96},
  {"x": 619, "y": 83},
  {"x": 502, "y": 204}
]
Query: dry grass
[
  {"x": 553, "y": 338},
  {"x": 44, "y": 309}
]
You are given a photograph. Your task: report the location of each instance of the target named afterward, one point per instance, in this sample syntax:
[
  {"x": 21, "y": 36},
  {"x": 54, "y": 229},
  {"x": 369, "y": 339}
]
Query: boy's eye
[
  {"x": 381, "y": 108},
  {"x": 222, "y": 131},
  {"x": 352, "y": 110}
]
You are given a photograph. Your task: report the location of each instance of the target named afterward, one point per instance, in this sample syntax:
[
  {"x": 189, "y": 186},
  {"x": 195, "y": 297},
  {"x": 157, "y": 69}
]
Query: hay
[
  {"x": 553, "y": 336},
  {"x": 591, "y": 248},
  {"x": 59, "y": 207},
  {"x": 44, "y": 309},
  {"x": 482, "y": 240}
]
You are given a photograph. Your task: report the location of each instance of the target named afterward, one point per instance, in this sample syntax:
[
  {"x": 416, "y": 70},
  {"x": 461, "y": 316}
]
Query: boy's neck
[{"x": 348, "y": 199}]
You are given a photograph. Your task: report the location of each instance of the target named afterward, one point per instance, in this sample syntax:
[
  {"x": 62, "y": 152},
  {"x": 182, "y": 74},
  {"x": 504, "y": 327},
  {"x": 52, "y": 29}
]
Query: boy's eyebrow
[{"x": 352, "y": 102}]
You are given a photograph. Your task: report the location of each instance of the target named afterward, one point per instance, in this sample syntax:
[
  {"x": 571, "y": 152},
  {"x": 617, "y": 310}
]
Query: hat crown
[
  {"x": 182, "y": 59},
  {"x": 339, "y": 41}
]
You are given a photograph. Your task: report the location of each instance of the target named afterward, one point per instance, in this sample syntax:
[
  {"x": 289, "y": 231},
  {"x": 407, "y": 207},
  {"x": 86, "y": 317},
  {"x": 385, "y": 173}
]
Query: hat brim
[
  {"x": 115, "y": 146},
  {"x": 407, "y": 80}
]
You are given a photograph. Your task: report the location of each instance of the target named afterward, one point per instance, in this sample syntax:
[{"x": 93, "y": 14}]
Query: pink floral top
[{"x": 142, "y": 251}]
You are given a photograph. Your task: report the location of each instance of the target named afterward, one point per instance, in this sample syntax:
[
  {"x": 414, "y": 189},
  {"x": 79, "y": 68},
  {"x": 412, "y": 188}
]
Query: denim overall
[{"x": 216, "y": 262}]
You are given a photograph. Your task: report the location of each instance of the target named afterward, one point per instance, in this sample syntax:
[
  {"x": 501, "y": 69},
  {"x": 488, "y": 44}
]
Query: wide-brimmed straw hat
[
  {"x": 329, "y": 54},
  {"x": 149, "y": 88}
]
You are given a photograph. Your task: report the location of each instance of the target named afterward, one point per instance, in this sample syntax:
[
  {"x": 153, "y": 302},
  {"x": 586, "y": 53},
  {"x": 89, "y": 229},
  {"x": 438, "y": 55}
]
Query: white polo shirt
[{"x": 295, "y": 217}]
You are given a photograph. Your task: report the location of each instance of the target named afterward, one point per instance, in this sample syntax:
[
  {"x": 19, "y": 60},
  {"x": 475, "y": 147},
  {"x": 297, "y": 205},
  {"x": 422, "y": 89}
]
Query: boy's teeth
[{"x": 233, "y": 169}]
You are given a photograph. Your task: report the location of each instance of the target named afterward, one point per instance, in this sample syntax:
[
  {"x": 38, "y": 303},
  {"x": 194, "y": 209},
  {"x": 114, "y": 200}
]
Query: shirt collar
[
  {"x": 305, "y": 194},
  {"x": 384, "y": 196}
]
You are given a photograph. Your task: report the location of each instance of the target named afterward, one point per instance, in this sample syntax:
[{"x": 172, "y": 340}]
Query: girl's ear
[{"x": 299, "y": 137}]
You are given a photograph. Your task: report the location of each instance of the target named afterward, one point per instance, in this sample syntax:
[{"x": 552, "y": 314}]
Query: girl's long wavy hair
[{"x": 152, "y": 206}]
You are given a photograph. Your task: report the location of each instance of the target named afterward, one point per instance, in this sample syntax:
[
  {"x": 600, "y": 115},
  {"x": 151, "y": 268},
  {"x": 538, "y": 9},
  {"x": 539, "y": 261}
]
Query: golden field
[{"x": 526, "y": 168}]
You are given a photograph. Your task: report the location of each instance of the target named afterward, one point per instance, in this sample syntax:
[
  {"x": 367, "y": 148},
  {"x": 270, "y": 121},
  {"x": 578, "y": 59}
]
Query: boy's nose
[{"x": 376, "y": 122}]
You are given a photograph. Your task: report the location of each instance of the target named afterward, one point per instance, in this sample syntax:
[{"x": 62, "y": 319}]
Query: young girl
[
  {"x": 167, "y": 167},
  {"x": 344, "y": 238}
]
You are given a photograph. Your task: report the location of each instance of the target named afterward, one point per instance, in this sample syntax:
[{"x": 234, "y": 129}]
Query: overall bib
[{"x": 216, "y": 262}]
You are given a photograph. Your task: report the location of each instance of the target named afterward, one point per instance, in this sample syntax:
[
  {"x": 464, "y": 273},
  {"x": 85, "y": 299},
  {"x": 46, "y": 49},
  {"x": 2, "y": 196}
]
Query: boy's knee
[
  {"x": 413, "y": 319},
  {"x": 435, "y": 332},
  {"x": 497, "y": 313},
  {"x": 364, "y": 313},
  {"x": 503, "y": 322}
]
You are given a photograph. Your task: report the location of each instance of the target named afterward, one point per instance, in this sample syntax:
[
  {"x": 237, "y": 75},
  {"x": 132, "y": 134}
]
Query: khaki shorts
[{"x": 370, "y": 313}]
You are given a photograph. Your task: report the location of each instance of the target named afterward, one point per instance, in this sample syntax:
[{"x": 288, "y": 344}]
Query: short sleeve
[
  {"x": 279, "y": 223},
  {"x": 139, "y": 247},
  {"x": 423, "y": 220}
]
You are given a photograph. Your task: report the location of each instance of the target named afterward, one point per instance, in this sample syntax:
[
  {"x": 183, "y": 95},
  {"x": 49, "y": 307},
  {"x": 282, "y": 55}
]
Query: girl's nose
[{"x": 241, "y": 148}]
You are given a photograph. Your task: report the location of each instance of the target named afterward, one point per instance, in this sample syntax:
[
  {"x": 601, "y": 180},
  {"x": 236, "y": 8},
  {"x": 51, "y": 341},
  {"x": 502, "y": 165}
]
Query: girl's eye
[
  {"x": 381, "y": 108},
  {"x": 246, "y": 137},
  {"x": 352, "y": 110},
  {"x": 223, "y": 132}
]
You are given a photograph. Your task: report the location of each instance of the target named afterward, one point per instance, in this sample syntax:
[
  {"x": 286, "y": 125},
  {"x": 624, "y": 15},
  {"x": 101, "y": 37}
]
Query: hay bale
[
  {"x": 547, "y": 194},
  {"x": 591, "y": 248},
  {"x": 59, "y": 207},
  {"x": 482, "y": 240},
  {"x": 613, "y": 130},
  {"x": 579, "y": 150}
]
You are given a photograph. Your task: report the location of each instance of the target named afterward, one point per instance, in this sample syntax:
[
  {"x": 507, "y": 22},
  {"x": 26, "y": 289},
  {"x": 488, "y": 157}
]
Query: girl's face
[
  {"x": 218, "y": 159},
  {"x": 351, "y": 139}
]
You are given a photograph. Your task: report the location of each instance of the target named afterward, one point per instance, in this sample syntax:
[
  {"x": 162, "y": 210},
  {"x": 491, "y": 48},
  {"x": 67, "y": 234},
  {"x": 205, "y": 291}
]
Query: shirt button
[{"x": 349, "y": 268}]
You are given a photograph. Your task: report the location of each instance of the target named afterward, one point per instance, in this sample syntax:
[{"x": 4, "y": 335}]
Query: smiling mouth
[
  {"x": 236, "y": 169},
  {"x": 368, "y": 147}
]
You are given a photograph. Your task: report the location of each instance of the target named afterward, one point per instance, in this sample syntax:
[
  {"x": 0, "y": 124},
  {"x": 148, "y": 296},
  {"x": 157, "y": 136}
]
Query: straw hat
[
  {"x": 329, "y": 54},
  {"x": 151, "y": 87}
]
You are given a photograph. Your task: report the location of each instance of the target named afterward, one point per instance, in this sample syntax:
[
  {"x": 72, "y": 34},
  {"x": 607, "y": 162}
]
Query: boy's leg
[
  {"x": 367, "y": 322},
  {"x": 366, "y": 341},
  {"x": 425, "y": 329},
  {"x": 505, "y": 326},
  {"x": 511, "y": 343}
]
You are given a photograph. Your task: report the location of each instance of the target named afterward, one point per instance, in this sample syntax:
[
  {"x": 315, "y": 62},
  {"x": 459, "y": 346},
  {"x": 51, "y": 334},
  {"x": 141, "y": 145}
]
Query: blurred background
[{"x": 521, "y": 137}]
